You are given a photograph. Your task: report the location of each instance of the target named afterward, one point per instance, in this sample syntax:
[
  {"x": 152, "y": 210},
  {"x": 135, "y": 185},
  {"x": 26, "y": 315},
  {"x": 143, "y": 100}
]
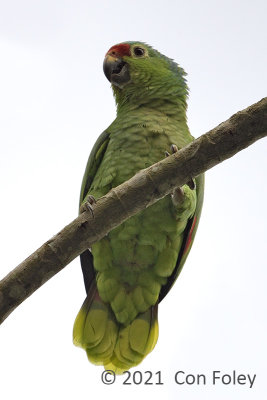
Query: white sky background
[{"x": 54, "y": 102}]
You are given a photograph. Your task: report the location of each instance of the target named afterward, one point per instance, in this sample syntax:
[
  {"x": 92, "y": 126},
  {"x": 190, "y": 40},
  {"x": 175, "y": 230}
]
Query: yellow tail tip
[{"x": 109, "y": 343}]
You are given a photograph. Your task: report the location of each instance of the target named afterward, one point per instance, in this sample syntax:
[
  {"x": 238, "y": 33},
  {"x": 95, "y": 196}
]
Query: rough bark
[{"x": 141, "y": 191}]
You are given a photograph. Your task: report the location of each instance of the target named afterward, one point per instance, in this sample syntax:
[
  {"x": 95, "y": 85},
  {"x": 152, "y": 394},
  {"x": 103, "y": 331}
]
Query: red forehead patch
[{"x": 120, "y": 50}]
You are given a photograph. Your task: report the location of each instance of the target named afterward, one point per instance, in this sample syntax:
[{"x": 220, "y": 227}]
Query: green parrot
[{"x": 129, "y": 271}]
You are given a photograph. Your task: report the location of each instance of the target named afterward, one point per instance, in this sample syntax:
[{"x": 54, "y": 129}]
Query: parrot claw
[
  {"x": 178, "y": 193},
  {"x": 177, "y": 196},
  {"x": 174, "y": 149},
  {"x": 87, "y": 206}
]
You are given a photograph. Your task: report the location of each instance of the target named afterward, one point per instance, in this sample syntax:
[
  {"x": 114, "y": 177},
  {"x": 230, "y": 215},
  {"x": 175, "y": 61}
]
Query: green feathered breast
[{"x": 130, "y": 271}]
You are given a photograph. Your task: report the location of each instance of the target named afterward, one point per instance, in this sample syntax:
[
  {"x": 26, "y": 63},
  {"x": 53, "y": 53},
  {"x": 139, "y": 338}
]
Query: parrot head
[{"x": 138, "y": 73}]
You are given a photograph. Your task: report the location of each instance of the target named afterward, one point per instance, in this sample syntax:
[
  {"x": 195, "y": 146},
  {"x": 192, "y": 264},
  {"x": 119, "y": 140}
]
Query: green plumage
[{"x": 135, "y": 265}]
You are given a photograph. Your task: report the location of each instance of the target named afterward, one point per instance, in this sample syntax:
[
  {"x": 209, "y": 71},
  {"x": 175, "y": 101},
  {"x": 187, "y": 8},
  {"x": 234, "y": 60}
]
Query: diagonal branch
[{"x": 141, "y": 191}]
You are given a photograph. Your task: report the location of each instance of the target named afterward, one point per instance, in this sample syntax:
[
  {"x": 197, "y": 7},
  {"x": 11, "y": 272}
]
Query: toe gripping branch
[
  {"x": 88, "y": 205},
  {"x": 178, "y": 193}
]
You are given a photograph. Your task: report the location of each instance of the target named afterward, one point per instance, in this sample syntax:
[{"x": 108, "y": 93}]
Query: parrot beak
[{"x": 116, "y": 71}]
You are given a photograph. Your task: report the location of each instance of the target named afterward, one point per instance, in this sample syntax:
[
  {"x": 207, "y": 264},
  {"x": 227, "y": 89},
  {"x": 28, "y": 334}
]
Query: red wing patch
[{"x": 189, "y": 238}]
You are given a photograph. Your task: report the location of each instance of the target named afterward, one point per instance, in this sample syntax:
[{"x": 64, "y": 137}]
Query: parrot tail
[{"x": 109, "y": 343}]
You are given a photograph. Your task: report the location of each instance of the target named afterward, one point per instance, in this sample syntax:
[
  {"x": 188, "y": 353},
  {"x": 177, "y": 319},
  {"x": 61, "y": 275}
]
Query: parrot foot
[
  {"x": 174, "y": 149},
  {"x": 177, "y": 196},
  {"x": 87, "y": 205},
  {"x": 178, "y": 193}
]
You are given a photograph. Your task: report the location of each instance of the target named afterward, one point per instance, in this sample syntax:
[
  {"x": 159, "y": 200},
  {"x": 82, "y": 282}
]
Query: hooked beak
[{"x": 116, "y": 71}]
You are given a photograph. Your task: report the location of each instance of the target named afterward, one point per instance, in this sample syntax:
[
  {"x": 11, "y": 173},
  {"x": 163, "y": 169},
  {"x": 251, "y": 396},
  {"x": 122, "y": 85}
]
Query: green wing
[
  {"x": 189, "y": 235},
  {"x": 92, "y": 166},
  {"x": 93, "y": 163}
]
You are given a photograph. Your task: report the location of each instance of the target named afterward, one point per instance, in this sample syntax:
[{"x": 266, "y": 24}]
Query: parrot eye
[{"x": 139, "y": 52}]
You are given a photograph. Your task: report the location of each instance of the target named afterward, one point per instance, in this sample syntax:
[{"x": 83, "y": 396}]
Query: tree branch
[{"x": 141, "y": 191}]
